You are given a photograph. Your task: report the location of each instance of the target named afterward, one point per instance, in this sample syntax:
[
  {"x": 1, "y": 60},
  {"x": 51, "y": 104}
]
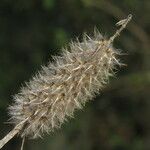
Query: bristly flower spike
[{"x": 64, "y": 85}]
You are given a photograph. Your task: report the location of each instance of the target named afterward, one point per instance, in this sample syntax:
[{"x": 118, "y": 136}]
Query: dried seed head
[{"x": 65, "y": 85}]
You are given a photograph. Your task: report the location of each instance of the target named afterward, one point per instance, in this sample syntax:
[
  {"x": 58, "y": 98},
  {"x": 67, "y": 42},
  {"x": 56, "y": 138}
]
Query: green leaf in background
[
  {"x": 60, "y": 37},
  {"x": 48, "y": 4}
]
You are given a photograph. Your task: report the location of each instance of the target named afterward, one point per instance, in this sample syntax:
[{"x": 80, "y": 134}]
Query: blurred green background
[{"x": 31, "y": 31}]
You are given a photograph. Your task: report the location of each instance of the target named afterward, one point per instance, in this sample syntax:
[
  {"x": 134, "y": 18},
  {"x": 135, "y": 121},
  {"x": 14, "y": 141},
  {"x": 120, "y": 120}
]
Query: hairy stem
[
  {"x": 11, "y": 134},
  {"x": 123, "y": 23}
]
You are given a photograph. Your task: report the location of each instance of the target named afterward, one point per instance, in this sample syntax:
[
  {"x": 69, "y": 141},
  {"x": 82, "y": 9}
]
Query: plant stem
[{"x": 11, "y": 134}]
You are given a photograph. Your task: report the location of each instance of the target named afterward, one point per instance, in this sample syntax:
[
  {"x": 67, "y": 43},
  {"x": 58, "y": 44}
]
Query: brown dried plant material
[{"x": 65, "y": 85}]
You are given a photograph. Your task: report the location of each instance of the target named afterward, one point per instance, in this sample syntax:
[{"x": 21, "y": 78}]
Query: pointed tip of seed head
[
  {"x": 122, "y": 23},
  {"x": 130, "y": 16}
]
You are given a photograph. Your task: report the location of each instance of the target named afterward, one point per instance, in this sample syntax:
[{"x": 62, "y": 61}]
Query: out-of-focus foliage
[{"x": 34, "y": 30}]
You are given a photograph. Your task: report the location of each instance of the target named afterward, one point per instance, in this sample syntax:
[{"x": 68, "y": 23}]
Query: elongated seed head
[{"x": 65, "y": 85}]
